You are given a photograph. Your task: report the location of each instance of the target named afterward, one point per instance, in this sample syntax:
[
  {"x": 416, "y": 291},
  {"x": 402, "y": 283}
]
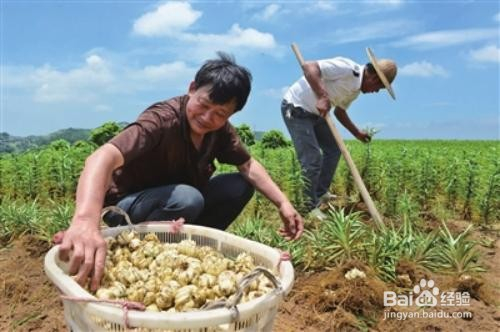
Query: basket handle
[
  {"x": 120, "y": 211},
  {"x": 234, "y": 300},
  {"x": 246, "y": 280},
  {"x": 175, "y": 225}
]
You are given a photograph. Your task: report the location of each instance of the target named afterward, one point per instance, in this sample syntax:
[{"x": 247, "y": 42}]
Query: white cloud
[
  {"x": 323, "y": 6},
  {"x": 392, "y": 2},
  {"x": 384, "y": 3},
  {"x": 423, "y": 69},
  {"x": 173, "y": 18},
  {"x": 371, "y": 7},
  {"x": 490, "y": 53},
  {"x": 268, "y": 13},
  {"x": 236, "y": 40},
  {"x": 445, "y": 38},
  {"x": 79, "y": 84},
  {"x": 235, "y": 37},
  {"x": 168, "y": 19},
  {"x": 166, "y": 72},
  {"x": 94, "y": 61},
  {"x": 376, "y": 30},
  {"x": 497, "y": 17},
  {"x": 94, "y": 81}
]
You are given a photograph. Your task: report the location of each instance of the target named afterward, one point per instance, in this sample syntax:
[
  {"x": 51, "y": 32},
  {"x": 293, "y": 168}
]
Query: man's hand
[
  {"x": 323, "y": 105},
  {"x": 85, "y": 249},
  {"x": 293, "y": 225},
  {"x": 364, "y": 137}
]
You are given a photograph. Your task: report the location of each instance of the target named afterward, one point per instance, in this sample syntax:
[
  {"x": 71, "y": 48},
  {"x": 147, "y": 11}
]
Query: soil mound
[{"x": 338, "y": 296}]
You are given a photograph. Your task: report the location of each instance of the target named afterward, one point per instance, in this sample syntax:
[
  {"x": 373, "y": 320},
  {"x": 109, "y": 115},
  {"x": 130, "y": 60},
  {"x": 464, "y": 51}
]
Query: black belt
[{"x": 298, "y": 112}]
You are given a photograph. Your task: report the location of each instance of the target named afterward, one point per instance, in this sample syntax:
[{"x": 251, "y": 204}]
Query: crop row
[{"x": 441, "y": 179}]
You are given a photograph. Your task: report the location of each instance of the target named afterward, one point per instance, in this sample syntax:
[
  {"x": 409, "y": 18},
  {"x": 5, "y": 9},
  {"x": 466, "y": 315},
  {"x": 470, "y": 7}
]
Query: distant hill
[
  {"x": 10, "y": 143},
  {"x": 14, "y": 144}
]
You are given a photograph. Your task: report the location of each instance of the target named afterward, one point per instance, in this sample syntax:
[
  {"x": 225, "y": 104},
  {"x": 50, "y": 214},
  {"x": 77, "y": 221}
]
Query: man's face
[
  {"x": 203, "y": 115},
  {"x": 371, "y": 83}
]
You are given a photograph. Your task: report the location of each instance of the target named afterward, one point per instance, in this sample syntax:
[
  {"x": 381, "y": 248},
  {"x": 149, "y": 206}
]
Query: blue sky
[{"x": 81, "y": 63}]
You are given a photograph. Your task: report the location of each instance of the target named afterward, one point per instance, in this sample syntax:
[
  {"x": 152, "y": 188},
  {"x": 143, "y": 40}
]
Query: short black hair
[
  {"x": 228, "y": 80},
  {"x": 370, "y": 68}
]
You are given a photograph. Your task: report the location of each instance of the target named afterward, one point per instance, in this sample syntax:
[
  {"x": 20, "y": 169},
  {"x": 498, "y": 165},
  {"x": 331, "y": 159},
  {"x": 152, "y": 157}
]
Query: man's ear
[
  {"x": 192, "y": 87},
  {"x": 371, "y": 78}
]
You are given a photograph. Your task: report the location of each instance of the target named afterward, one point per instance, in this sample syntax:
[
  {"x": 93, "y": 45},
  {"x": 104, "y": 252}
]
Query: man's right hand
[
  {"x": 323, "y": 105},
  {"x": 85, "y": 249}
]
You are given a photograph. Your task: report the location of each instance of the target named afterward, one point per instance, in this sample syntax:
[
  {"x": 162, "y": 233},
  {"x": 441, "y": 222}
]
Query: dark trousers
[
  {"x": 316, "y": 150},
  {"x": 217, "y": 206}
]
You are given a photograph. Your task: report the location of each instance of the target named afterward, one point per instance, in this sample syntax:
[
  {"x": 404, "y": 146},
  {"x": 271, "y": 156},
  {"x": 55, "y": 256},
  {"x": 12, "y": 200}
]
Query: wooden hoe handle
[{"x": 347, "y": 156}]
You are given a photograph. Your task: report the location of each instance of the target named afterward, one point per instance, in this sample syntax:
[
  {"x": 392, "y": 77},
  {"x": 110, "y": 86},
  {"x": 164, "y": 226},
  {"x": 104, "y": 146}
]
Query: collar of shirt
[
  {"x": 208, "y": 140},
  {"x": 183, "y": 118},
  {"x": 361, "y": 74}
]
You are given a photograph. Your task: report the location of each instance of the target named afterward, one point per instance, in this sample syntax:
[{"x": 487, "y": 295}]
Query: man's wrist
[
  {"x": 323, "y": 96},
  {"x": 85, "y": 220},
  {"x": 284, "y": 204}
]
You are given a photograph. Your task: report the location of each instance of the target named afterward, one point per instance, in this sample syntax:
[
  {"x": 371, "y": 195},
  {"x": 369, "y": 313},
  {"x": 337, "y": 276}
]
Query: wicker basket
[{"x": 255, "y": 315}]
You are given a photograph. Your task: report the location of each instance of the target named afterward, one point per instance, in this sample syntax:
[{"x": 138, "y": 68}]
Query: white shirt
[{"x": 342, "y": 78}]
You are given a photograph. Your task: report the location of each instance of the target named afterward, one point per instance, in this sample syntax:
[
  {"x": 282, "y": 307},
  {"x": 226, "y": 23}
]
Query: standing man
[
  {"x": 331, "y": 82},
  {"x": 160, "y": 167}
]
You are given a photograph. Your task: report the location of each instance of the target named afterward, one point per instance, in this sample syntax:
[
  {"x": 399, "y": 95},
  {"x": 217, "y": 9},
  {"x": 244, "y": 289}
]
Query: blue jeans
[
  {"x": 316, "y": 150},
  {"x": 217, "y": 206}
]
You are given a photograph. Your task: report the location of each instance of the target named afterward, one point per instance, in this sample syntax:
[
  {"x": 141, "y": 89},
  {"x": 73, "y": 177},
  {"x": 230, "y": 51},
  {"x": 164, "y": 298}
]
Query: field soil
[{"x": 321, "y": 301}]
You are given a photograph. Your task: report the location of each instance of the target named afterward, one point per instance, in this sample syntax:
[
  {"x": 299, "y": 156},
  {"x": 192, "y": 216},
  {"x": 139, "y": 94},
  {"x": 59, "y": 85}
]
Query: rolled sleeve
[{"x": 233, "y": 151}]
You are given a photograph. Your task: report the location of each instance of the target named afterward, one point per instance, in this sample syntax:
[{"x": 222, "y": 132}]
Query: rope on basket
[
  {"x": 284, "y": 256},
  {"x": 176, "y": 225},
  {"x": 126, "y": 305},
  {"x": 234, "y": 300}
]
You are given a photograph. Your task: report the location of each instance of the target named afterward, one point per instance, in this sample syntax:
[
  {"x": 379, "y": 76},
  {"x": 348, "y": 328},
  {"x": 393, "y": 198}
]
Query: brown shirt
[{"x": 158, "y": 151}]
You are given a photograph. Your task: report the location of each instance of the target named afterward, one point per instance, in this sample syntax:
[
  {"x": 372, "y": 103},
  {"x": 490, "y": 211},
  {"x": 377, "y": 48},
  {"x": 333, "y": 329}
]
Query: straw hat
[{"x": 386, "y": 70}]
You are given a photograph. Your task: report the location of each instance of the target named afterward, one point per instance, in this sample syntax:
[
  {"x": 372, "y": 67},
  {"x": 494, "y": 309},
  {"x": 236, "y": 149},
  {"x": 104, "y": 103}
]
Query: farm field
[{"x": 440, "y": 201}]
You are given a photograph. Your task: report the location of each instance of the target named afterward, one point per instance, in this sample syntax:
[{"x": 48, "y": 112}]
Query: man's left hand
[{"x": 364, "y": 137}]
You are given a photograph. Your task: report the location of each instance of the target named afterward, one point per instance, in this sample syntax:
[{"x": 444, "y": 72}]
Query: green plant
[
  {"x": 456, "y": 255},
  {"x": 343, "y": 234},
  {"x": 315, "y": 255},
  {"x": 254, "y": 229},
  {"x": 18, "y": 218},
  {"x": 470, "y": 189},
  {"x": 58, "y": 217},
  {"x": 383, "y": 251},
  {"x": 490, "y": 202},
  {"x": 453, "y": 183}
]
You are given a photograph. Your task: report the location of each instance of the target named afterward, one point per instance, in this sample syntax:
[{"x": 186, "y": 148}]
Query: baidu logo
[{"x": 427, "y": 293}]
